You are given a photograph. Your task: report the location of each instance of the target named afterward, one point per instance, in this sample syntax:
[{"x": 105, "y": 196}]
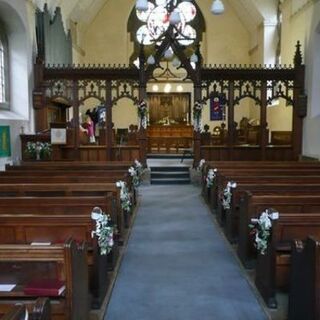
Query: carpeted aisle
[{"x": 178, "y": 266}]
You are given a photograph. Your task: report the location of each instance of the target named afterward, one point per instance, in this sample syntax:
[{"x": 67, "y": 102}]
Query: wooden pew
[
  {"x": 120, "y": 218},
  {"x": 70, "y": 165},
  {"x": 21, "y": 264},
  {"x": 40, "y": 311},
  {"x": 229, "y": 218},
  {"x": 60, "y": 176},
  {"x": 273, "y": 268},
  {"x": 222, "y": 180},
  {"x": 69, "y": 173},
  {"x": 235, "y": 175},
  {"x": 54, "y": 219},
  {"x": 251, "y": 207},
  {"x": 239, "y": 165},
  {"x": 304, "y": 294}
]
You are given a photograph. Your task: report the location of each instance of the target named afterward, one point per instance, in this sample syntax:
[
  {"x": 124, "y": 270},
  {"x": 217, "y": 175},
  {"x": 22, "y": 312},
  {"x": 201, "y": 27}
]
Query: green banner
[{"x": 5, "y": 149}]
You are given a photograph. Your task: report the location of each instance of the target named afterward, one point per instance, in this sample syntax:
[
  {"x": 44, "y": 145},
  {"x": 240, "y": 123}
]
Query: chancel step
[
  {"x": 169, "y": 156},
  {"x": 170, "y": 175}
]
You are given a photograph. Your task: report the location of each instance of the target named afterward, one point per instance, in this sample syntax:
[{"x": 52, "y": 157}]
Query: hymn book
[{"x": 45, "y": 287}]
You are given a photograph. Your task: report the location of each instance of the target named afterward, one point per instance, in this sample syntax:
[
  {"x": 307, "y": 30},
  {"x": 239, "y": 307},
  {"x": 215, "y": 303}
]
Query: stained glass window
[{"x": 156, "y": 22}]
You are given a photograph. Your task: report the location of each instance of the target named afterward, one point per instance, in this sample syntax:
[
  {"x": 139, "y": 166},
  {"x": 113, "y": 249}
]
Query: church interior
[{"x": 159, "y": 159}]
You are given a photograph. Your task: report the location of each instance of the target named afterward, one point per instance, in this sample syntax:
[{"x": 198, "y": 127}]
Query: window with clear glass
[
  {"x": 2, "y": 79},
  {"x": 3, "y": 71}
]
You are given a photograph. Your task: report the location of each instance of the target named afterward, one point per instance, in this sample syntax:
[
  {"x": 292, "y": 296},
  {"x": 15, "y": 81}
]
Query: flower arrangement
[
  {"x": 210, "y": 177},
  {"x": 262, "y": 228},
  {"x": 124, "y": 196},
  {"x": 38, "y": 150},
  {"x": 201, "y": 164},
  {"x": 197, "y": 112},
  {"x": 227, "y": 195},
  {"x": 104, "y": 230},
  {"x": 142, "y": 114},
  {"x": 136, "y": 172}
]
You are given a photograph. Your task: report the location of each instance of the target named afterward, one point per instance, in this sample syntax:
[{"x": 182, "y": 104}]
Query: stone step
[
  {"x": 170, "y": 169},
  {"x": 170, "y": 175},
  {"x": 169, "y": 156},
  {"x": 170, "y": 181}
]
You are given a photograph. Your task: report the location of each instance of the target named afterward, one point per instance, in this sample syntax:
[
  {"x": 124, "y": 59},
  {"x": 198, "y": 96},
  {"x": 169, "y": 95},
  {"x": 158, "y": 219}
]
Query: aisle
[{"x": 178, "y": 266}]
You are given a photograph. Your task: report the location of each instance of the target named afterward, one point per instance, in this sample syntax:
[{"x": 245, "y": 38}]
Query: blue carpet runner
[{"x": 177, "y": 265}]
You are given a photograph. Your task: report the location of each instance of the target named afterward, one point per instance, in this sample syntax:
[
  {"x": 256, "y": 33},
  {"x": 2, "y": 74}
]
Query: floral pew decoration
[
  {"x": 201, "y": 164},
  {"x": 38, "y": 150},
  {"x": 135, "y": 172},
  {"x": 197, "y": 115},
  {"x": 143, "y": 114},
  {"x": 211, "y": 177},
  {"x": 227, "y": 195},
  {"x": 262, "y": 228},
  {"x": 124, "y": 196},
  {"x": 104, "y": 230}
]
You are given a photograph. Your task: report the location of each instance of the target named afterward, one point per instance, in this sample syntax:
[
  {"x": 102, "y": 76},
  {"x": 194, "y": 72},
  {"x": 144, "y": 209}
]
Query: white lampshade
[
  {"x": 151, "y": 60},
  {"x": 194, "y": 58},
  {"x": 137, "y": 63},
  {"x": 175, "y": 17},
  {"x": 168, "y": 54},
  {"x": 176, "y": 62},
  {"x": 217, "y": 7},
  {"x": 142, "y": 5}
]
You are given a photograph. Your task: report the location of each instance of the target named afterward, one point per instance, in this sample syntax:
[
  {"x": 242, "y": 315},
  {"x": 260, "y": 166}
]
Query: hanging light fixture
[
  {"x": 151, "y": 60},
  {"x": 168, "y": 53},
  {"x": 194, "y": 58},
  {"x": 142, "y": 5},
  {"x": 217, "y": 7},
  {"x": 175, "y": 17},
  {"x": 176, "y": 62}
]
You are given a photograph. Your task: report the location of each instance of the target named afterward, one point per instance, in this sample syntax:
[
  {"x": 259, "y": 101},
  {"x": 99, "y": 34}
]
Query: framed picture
[
  {"x": 58, "y": 136},
  {"x": 5, "y": 147}
]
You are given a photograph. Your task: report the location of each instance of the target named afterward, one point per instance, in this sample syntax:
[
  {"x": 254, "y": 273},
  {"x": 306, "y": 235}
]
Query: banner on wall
[
  {"x": 217, "y": 103},
  {"x": 5, "y": 148}
]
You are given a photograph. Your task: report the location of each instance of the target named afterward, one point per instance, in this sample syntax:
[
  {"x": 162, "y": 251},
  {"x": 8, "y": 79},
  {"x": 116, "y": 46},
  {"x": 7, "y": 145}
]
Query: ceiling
[{"x": 251, "y": 12}]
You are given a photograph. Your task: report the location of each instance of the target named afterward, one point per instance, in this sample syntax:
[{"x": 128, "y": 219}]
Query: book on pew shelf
[
  {"x": 45, "y": 287},
  {"x": 7, "y": 287},
  {"x": 36, "y": 243}
]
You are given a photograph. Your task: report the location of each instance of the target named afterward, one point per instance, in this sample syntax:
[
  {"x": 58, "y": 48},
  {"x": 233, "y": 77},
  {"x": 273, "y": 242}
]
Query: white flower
[
  {"x": 210, "y": 177},
  {"x": 201, "y": 163},
  {"x": 265, "y": 220},
  {"x": 132, "y": 171},
  {"x": 262, "y": 230},
  {"x": 120, "y": 184},
  {"x": 137, "y": 164},
  {"x": 124, "y": 196},
  {"x": 103, "y": 231}
]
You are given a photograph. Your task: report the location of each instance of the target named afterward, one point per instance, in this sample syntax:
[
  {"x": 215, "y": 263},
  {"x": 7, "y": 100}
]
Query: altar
[{"x": 169, "y": 138}]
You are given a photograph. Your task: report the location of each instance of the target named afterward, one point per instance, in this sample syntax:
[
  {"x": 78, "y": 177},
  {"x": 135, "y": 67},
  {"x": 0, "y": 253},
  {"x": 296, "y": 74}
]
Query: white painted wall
[{"x": 301, "y": 22}]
